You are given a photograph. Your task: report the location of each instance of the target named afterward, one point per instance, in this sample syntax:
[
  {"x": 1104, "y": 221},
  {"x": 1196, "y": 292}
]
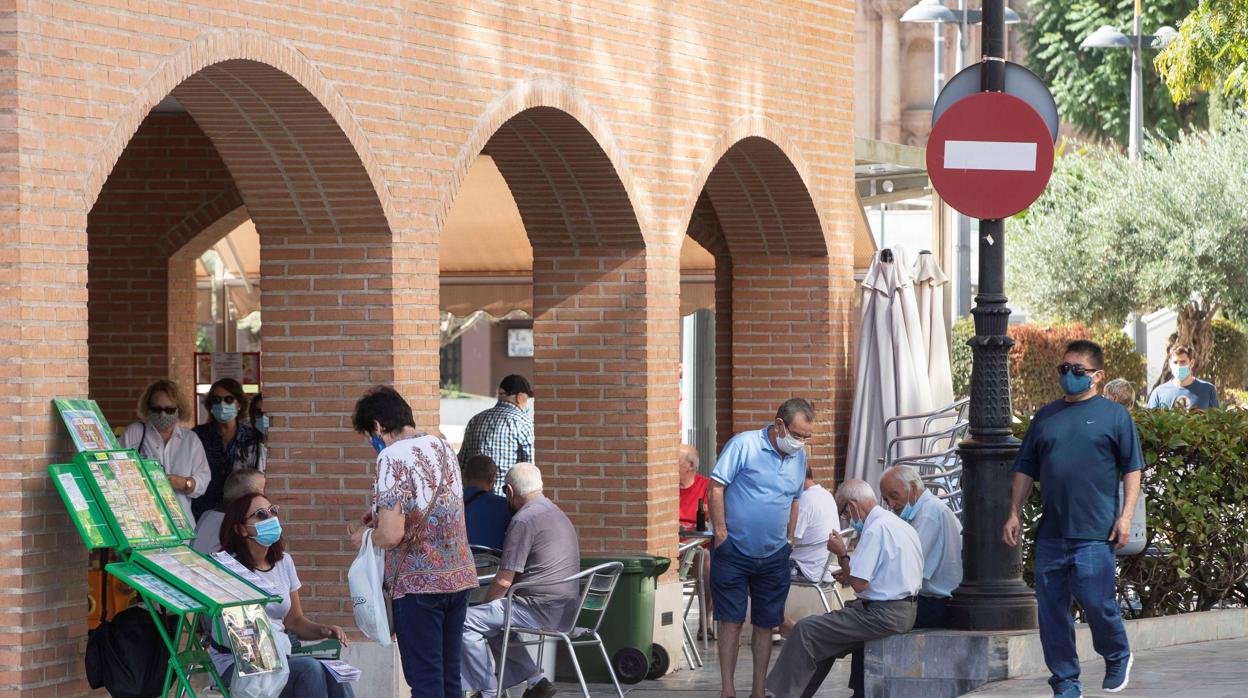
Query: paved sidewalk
[
  {"x": 704, "y": 682},
  {"x": 1199, "y": 670}
]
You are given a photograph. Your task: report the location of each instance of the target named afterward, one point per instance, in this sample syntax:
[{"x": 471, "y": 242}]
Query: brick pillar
[{"x": 606, "y": 336}]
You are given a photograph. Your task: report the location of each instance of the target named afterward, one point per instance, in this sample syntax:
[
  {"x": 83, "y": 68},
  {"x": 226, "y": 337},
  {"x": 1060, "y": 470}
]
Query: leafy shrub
[
  {"x": 1197, "y": 505},
  {"x": 1038, "y": 350},
  {"x": 960, "y": 356},
  {"x": 1228, "y": 366},
  {"x": 1197, "y": 512}
]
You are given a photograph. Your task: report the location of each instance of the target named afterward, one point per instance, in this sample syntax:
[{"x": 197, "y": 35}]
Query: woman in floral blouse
[{"x": 418, "y": 517}]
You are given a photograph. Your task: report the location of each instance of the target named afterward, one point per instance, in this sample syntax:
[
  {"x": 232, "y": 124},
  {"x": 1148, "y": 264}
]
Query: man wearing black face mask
[{"x": 1078, "y": 448}]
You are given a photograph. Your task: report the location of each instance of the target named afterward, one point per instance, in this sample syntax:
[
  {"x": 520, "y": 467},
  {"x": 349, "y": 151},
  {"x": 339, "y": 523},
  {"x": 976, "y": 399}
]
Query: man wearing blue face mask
[
  {"x": 939, "y": 531},
  {"x": 1185, "y": 387},
  {"x": 1078, "y": 448}
]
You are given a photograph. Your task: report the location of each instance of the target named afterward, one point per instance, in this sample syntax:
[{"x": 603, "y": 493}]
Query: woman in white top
[
  {"x": 158, "y": 436},
  {"x": 252, "y": 533}
]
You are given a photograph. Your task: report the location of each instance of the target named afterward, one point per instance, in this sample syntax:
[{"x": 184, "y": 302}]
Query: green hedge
[
  {"x": 1194, "y": 478},
  {"x": 1036, "y": 353}
]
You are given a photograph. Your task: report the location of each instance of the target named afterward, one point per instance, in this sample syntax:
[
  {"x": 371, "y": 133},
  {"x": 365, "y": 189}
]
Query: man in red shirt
[{"x": 692, "y": 488}]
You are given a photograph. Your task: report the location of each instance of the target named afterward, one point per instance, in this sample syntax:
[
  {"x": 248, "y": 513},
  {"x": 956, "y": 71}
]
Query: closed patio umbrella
[
  {"x": 891, "y": 375},
  {"x": 929, "y": 284}
]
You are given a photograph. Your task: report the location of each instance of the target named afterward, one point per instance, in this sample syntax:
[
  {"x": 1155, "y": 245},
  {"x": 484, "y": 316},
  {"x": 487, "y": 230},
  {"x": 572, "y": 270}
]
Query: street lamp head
[
  {"x": 1106, "y": 37},
  {"x": 1011, "y": 17},
  {"x": 1164, "y": 36},
  {"x": 929, "y": 11}
]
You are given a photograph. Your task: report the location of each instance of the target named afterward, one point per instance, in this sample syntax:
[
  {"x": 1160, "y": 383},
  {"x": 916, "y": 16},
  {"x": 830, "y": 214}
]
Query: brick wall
[{"x": 346, "y": 129}]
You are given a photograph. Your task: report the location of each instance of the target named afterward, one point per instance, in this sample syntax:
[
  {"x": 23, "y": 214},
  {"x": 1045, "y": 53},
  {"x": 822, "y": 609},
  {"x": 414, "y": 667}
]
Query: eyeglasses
[
  {"x": 262, "y": 514},
  {"x": 218, "y": 399},
  {"x": 154, "y": 409},
  {"x": 1077, "y": 369}
]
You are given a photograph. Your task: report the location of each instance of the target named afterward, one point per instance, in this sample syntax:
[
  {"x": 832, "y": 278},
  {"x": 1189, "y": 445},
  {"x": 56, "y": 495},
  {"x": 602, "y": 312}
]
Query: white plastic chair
[{"x": 598, "y": 586}]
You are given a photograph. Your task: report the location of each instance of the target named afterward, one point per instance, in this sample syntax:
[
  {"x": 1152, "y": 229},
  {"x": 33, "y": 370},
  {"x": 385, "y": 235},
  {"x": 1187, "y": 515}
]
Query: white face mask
[{"x": 789, "y": 444}]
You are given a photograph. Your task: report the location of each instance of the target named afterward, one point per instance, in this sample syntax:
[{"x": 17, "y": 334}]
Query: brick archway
[
  {"x": 242, "y": 133},
  {"x": 777, "y": 326},
  {"x": 598, "y": 440}
]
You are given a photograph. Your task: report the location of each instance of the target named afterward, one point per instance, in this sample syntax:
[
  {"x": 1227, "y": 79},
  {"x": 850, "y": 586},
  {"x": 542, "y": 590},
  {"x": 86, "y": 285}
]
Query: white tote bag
[
  {"x": 368, "y": 600},
  {"x": 268, "y": 684}
]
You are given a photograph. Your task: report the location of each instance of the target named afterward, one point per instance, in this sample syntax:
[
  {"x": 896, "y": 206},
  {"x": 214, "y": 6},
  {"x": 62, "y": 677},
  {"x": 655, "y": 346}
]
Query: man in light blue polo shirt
[{"x": 754, "y": 491}]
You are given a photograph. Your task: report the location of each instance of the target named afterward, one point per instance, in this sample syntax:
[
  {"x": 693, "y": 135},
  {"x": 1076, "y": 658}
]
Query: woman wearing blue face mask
[
  {"x": 229, "y": 443},
  {"x": 252, "y": 533}
]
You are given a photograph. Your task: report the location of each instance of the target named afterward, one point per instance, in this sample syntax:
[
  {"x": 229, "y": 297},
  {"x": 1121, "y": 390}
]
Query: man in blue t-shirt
[
  {"x": 1077, "y": 449},
  {"x": 754, "y": 492},
  {"x": 485, "y": 513},
  {"x": 1185, "y": 388}
]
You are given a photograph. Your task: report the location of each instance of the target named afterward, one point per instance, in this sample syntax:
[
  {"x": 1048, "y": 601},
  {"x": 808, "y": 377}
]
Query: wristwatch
[{"x": 189, "y": 484}]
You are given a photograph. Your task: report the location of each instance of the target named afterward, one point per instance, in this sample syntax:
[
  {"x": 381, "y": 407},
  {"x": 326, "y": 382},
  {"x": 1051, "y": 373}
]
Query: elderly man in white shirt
[
  {"x": 885, "y": 571},
  {"x": 940, "y": 533}
]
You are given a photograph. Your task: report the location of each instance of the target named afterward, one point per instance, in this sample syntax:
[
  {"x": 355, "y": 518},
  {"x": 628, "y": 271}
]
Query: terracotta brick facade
[{"x": 344, "y": 130}]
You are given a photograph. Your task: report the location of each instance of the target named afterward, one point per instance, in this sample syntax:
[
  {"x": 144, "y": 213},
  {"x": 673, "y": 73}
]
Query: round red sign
[{"x": 990, "y": 155}]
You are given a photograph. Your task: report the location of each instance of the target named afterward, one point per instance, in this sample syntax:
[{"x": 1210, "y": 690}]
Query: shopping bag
[
  {"x": 268, "y": 684},
  {"x": 368, "y": 601}
]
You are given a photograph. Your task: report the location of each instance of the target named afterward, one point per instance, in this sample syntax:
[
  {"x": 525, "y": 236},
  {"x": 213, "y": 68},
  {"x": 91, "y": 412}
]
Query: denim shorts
[{"x": 762, "y": 582}]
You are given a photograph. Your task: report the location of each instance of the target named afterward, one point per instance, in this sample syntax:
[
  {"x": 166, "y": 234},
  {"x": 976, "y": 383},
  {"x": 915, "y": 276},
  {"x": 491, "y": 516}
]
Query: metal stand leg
[{"x": 610, "y": 670}]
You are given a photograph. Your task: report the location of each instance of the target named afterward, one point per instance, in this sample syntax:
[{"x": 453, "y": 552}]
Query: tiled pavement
[{"x": 1200, "y": 670}]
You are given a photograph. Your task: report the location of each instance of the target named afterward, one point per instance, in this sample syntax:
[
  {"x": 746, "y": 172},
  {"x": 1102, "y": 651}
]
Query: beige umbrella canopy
[
  {"x": 929, "y": 284},
  {"x": 891, "y": 376}
]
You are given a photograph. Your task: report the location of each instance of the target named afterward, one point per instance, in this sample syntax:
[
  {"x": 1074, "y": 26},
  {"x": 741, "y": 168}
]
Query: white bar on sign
[{"x": 990, "y": 155}]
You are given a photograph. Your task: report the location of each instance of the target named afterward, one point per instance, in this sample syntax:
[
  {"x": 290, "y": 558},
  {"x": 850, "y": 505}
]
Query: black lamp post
[{"x": 993, "y": 595}]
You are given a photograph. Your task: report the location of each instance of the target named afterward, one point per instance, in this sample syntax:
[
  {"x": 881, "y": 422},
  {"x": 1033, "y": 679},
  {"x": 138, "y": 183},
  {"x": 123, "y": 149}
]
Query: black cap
[{"x": 515, "y": 384}]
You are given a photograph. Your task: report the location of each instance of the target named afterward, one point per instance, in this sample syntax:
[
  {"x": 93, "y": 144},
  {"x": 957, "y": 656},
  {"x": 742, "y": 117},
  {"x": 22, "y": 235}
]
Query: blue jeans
[
  {"x": 430, "y": 631},
  {"x": 1084, "y": 570},
  {"x": 308, "y": 679}
]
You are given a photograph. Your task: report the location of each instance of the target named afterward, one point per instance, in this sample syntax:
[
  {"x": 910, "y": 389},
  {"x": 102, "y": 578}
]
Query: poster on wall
[{"x": 520, "y": 342}]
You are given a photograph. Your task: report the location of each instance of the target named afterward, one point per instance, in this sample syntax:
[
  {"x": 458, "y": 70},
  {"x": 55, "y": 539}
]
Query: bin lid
[{"x": 648, "y": 565}]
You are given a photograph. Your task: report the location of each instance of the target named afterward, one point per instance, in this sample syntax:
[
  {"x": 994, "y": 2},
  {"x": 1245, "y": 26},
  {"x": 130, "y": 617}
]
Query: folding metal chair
[
  {"x": 690, "y": 555},
  {"x": 598, "y": 586},
  {"x": 823, "y": 585}
]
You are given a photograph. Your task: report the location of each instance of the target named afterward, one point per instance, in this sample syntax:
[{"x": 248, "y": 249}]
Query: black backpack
[{"x": 126, "y": 656}]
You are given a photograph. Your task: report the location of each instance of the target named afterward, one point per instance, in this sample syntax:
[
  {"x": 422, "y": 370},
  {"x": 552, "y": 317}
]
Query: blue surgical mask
[
  {"x": 224, "y": 412},
  {"x": 907, "y": 512},
  {"x": 378, "y": 444},
  {"x": 263, "y": 424},
  {"x": 528, "y": 407},
  {"x": 1075, "y": 385},
  {"x": 856, "y": 525},
  {"x": 1182, "y": 372},
  {"x": 268, "y": 531}
]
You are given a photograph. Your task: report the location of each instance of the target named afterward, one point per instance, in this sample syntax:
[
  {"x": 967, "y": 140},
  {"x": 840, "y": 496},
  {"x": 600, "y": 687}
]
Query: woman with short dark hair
[
  {"x": 252, "y": 533},
  {"x": 418, "y": 519},
  {"x": 229, "y": 442}
]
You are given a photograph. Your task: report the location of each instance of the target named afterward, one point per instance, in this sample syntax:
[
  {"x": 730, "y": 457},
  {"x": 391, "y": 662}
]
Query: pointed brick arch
[
  {"x": 598, "y": 441},
  {"x": 777, "y": 334}
]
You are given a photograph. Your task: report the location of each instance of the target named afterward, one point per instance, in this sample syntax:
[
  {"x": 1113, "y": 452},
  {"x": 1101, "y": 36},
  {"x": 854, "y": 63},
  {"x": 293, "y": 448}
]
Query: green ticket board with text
[{"x": 118, "y": 500}]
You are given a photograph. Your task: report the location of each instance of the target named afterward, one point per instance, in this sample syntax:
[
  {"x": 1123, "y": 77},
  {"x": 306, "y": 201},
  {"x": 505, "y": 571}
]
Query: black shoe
[{"x": 541, "y": 689}]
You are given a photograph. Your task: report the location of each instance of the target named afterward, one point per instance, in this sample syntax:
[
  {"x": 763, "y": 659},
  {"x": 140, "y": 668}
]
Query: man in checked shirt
[{"x": 505, "y": 431}]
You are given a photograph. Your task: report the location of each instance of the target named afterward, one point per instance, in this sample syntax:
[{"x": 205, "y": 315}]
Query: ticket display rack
[{"x": 122, "y": 502}]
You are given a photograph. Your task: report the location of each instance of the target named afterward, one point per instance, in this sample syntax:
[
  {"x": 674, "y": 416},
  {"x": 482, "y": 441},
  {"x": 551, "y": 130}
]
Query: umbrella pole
[{"x": 993, "y": 595}]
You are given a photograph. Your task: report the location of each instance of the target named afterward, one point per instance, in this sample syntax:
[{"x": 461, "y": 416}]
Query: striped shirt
[{"x": 504, "y": 433}]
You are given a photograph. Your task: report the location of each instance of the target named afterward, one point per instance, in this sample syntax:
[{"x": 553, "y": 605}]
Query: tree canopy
[
  {"x": 1092, "y": 86},
  {"x": 1210, "y": 52},
  {"x": 1109, "y": 237}
]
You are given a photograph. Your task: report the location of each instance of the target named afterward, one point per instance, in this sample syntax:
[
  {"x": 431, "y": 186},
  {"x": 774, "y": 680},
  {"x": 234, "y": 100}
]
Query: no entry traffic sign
[{"x": 990, "y": 155}]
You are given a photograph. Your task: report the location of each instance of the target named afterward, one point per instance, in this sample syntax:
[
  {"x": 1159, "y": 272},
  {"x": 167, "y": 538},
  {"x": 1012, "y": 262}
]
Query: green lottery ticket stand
[{"x": 120, "y": 501}]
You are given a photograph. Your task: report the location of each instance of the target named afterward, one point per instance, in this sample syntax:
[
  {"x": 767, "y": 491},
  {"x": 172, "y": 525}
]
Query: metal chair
[
  {"x": 486, "y": 560},
  {"x": 958, "y": 411},
  {"x": 937, "y": 446},
  {"x": 598, "y": 586},
  {"x": 690, "y": 556},
  {"x": 822, "y": 585}
]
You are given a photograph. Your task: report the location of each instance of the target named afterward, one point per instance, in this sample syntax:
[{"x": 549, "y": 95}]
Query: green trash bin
[{"x": 627, "y": 630}]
